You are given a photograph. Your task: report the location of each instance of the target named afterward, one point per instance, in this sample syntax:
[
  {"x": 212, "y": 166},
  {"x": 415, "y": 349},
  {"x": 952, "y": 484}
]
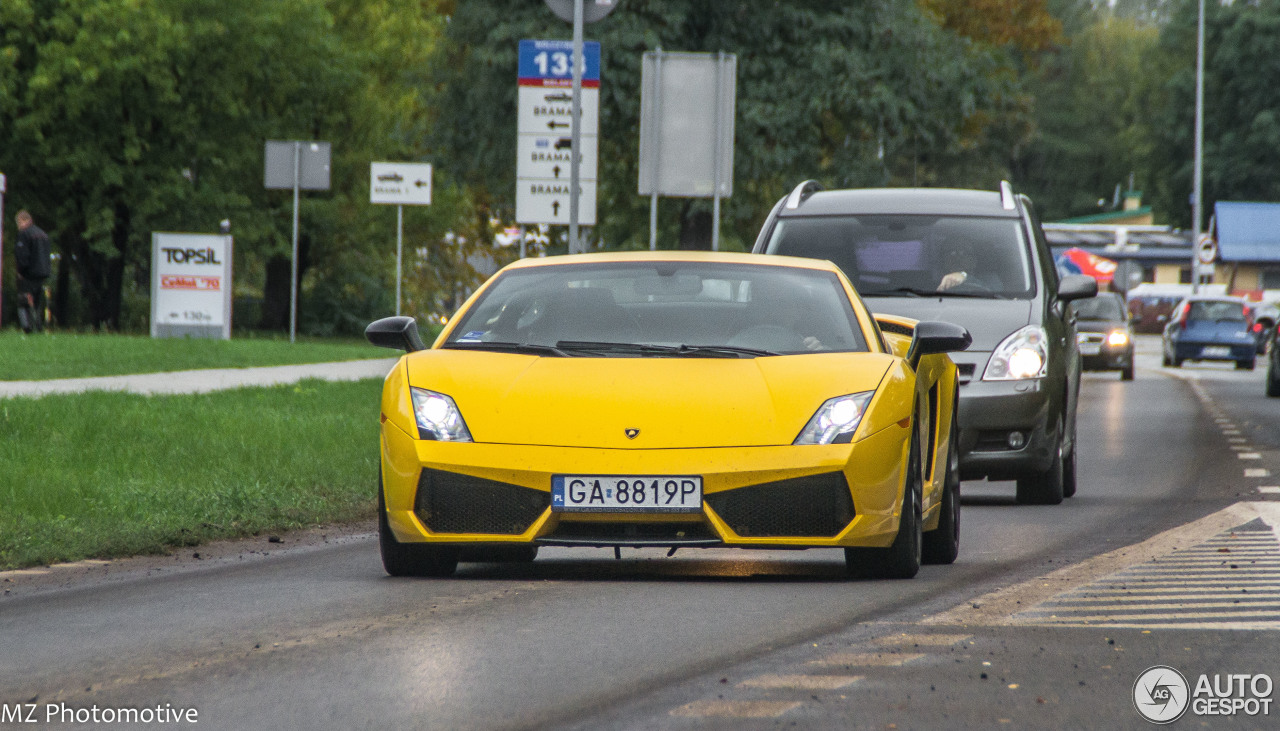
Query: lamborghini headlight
[
  {"x": 1024, "y": 354},
  {"x": 836, "y": 420},
  {"x": 1117, "y": 338},
  {"x": 438, "y": 417}
]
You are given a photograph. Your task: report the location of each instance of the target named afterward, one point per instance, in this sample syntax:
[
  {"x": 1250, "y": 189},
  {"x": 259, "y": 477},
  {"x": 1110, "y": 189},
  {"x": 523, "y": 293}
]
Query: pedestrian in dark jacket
[{"x": 33, "y": 257}]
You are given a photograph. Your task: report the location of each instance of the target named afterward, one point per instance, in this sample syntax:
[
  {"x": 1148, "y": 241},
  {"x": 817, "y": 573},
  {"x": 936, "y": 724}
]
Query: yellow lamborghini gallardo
[{"x": 669, "y": 399}]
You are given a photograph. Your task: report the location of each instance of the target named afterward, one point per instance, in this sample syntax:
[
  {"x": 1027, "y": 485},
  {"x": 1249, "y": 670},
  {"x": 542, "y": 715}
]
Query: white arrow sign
[
  {"x": 548, "y": 158},
  {"x": 400, "y": 183},
  {"x": 547, "y": 201}
]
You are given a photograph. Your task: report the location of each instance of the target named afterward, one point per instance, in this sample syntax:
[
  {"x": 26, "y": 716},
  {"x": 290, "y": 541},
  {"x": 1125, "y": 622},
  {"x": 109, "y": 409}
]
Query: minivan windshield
[
  {"x": 661, "y": 309},
  {"x": 911, "y": 256}
]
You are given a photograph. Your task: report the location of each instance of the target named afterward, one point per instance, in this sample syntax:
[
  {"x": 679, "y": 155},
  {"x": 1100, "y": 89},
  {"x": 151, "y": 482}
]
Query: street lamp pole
[{"x": 1197, "y": 204}]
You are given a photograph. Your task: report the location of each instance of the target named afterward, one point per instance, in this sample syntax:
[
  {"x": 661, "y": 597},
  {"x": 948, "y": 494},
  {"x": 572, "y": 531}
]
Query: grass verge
[
  {"x": 75, "y": 355},
  {"x": 101, "y": 475}
]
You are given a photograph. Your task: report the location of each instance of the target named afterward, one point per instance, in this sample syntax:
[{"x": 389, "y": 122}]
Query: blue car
[{"x": 1211, "y": 328}]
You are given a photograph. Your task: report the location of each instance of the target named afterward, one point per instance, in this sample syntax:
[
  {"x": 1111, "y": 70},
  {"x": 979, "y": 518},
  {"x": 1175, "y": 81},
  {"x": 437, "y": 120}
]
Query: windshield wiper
[
  {"x": 497, "y": 345},
  {"x": 900, "y": 292},
  {"x": 917, "y": 292},
  {"x": 672, "y": 351},
  {"x": 735, "y": 351},
  {"x": 607, "y": 347}
]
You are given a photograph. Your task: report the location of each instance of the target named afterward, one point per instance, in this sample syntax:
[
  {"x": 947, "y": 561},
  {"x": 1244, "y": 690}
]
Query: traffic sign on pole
[
  {"x": 546, "y": 153},
  {"x": 402, "y": 184}
]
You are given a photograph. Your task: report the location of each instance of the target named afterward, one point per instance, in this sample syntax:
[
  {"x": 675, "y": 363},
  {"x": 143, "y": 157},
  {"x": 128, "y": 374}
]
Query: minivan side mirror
[
  {"x": 398, "y": 333},
  {"x": 1077, "y": 287},
  {"x": 933, "y": 337}
]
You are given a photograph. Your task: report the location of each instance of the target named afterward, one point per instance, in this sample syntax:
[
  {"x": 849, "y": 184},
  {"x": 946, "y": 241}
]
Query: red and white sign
[{"x": 190, "y": 285}]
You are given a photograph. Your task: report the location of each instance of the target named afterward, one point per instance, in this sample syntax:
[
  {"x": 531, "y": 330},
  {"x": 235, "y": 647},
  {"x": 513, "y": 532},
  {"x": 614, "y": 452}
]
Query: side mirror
[
  {"x": 933, "y": 337},
  {"x": 398, "y": 333},
  {"x": 1077, "y": 287}
]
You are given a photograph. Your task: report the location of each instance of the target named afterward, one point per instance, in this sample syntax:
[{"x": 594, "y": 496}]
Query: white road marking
[
  {"x": 1256, "y": 472},
  {"x": 1269, "y": 490},
  {"x": 868, "y": 659},
  {"x": 735, "y": 709},
  {"x": 1249, "y": 455},
  {"x": 1182, "y": 577},
  {"x": 800, "y": 682},
  {"x": 906, "y": 640}
]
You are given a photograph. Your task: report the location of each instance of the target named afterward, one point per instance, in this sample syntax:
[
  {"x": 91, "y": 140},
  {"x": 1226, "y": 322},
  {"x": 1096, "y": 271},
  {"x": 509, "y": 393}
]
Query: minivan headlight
[
  {"x": 438, "y": 417},
  {"x": 1024, "y": 354}
]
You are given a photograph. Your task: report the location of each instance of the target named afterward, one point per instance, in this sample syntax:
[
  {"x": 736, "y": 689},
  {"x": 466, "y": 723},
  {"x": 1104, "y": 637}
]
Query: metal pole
[
  {"x": 715, "y": 161},
  {"x": 523, "y": 248},
  {"x": 655, "y": 140},
  {"x": 1197, "y": 214},
  {"x": 578, "y": 62},
  {"x": 399, "y": 249},
  {"x": 293, "y": 276}
]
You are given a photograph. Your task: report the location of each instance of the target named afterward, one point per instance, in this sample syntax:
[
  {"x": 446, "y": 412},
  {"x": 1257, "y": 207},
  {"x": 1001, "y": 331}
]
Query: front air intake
[
  {"x": 448, "y": 502},
  {"x": 814, "y": 506}
]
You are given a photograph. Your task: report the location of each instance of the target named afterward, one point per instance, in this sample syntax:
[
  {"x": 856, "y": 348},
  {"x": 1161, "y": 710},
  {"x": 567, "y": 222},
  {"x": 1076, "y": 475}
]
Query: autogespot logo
[{"x": 1161, "y": 694}]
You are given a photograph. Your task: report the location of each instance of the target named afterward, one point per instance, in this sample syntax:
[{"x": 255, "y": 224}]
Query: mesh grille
[
  {"x": 448, "y": 502},
  {"x": 819, "y": 505},
  {"x": 675, "y": 532}
]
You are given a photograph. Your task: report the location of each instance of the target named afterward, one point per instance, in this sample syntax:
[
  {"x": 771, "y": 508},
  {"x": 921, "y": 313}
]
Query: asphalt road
[{"x": 1047, "y": 619}]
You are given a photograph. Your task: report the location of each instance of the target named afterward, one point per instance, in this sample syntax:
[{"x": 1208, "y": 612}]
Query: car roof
[
  {"x": 721, "y": 257},
  {"x": 902, "y": 201}
]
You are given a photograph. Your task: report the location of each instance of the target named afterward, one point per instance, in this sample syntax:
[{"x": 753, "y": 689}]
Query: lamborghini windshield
[{"x": 661, "y": 309}]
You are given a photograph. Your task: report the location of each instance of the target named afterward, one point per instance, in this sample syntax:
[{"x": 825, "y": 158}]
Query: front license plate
[
  {"x": 1216, "y": 352},
  {"x": 626, "y": 494},
  {"x": 1090, "y": 348}
]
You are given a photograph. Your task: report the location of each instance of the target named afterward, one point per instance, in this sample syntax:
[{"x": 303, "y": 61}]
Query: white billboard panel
[{"x": 190, "y": 285}]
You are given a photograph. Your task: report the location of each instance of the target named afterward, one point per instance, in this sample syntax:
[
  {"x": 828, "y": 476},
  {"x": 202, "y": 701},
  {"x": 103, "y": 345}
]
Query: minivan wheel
[{"x": 1044, "y": 488}]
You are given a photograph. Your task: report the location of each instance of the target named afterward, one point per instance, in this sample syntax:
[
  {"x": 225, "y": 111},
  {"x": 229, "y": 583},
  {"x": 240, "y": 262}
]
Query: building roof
[{"x": 1248, "y": 232}]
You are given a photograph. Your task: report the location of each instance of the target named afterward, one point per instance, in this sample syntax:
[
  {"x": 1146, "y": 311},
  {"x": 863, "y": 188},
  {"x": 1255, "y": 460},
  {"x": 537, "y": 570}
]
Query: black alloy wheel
[
  {"x": 901, "y": 560},
  {"x": 942, "y": 544},
  {"x": 410, "y": 559}
]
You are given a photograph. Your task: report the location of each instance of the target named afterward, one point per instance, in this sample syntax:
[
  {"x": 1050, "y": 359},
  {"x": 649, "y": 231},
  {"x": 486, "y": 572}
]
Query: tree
[
  {"x": 1094, "y": 98},
  {"x": 843, "y": 93},
  {"x": 1241, "y": 95}
]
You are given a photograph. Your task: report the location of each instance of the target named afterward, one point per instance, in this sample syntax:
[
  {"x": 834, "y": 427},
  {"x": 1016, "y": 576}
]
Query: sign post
[
  {"x": 547, "y": 124},
  {"x": 191, "y": 285},
  {"x": 686, "y": 130},
  {"x": 401, "y": 184},
  {"x": 300, "y": 166}
]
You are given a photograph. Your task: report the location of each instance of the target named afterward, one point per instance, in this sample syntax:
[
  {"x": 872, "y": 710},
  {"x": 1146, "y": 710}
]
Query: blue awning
[{"x": 1248, "y": 232}]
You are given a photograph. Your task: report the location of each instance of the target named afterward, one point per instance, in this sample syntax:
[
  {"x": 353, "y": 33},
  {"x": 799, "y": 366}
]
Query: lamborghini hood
[{"x": 664, "y": 403}]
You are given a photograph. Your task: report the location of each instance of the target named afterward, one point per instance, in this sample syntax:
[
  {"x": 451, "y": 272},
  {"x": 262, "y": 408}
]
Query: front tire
[
  {"x": 409, "y": 559},
  {"x": 1126, "y": 374},
  {"x": 1047, "y": 487},
  {"x": 1246, "y": 365},
  {"x": 901, "y": 560},
  {"x": 1273, "y": 378},
  {"x": 942, "y": 545}
]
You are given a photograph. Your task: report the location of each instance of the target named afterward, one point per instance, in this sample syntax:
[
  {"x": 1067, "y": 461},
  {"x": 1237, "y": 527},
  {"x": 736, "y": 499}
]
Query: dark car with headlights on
[
  {"x": 977, "y": 259},
  {"x": 1104, "y": 335},
  {"x": 1211, "y": 328}
]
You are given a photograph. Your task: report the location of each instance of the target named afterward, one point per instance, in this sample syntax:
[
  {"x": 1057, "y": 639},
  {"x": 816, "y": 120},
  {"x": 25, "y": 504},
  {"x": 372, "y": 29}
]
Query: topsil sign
[{"x": 190, "y": 285}]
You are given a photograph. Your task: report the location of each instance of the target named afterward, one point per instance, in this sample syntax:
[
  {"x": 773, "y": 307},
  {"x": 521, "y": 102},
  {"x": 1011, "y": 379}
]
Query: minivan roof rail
[
  {"x": 802, "y": 191},
  {"x": 1007, "y": 201}
]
